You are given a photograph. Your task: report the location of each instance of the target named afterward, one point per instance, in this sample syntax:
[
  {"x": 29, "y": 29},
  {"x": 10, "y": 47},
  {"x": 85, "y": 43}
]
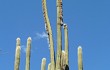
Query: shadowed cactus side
[{"x": 17, "y": 54}]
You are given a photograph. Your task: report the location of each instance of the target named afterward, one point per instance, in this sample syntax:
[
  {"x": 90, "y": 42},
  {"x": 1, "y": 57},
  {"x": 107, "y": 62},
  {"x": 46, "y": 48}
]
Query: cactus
[
  {"x": 28, "y": 53},
  {"x": 63, "y": 59},
  {"x": 66, "y": 43},
  {"x": 80, "y": 63},
  {"x": 62, "y": 56},
  {"x": 49, "y": 66},
  {"x": 17, "y": 42},
  {"x": 43, "y": 64},
  {"x": 59, "y": 34},
  {"x": 49, "y": 32},
  {"x": 17, "y": 54}
]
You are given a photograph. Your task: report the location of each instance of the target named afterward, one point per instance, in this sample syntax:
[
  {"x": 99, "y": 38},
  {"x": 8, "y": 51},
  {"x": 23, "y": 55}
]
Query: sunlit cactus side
[
  {"x": 80, "y": 63},
  {"x": 66, "y": 44},
  {"x": 49, "y": 32},
  {"x": 49, "y": 66},
  {"x": 43, "y": 64},
  {"x": 17, "y": 54},
  {"x": 28, "y": 53},
  {"x": 59, "y": 34}
]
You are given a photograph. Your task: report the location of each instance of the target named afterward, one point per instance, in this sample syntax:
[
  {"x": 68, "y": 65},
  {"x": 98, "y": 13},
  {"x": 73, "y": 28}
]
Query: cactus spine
[
  {"x": 43, "y": 64},
  {"x": 59, "y": 34},
  {"x": 66, "y": 43},
  {"x": 49, "y": 32},
  {"x": 17, "y": 54},
  {"x": 28, "y": 53},
  {"x": 80, "y": 63}
]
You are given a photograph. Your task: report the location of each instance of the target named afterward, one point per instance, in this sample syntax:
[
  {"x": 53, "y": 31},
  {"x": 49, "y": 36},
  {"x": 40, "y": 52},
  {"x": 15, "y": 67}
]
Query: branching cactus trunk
[
  {"x": 59, "y": 34},
  {"x": 80, "y": 63},
  {"x": 43, "y": 64},
  {"x": 66, "y": 44},
  {"x": 17, "y": 54},
  {"x": 28, "y": 53},
  {"x": 49, "y": 32}
]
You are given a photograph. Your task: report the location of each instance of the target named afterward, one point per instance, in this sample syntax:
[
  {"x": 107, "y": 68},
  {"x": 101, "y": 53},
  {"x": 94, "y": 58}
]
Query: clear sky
[{"x": 88, "y": 23}]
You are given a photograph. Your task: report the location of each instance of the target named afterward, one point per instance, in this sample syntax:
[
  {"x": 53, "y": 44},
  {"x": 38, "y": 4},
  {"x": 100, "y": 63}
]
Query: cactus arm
[
  {"x": 62, "y": 59},
  {"x": 28, "y": 53},
  {"x": 17, "y": 55},
  {"x": 59, "y": 36},
  {"x": 66, "y": 43},
  {"x": 80, "y": 63},
  {"x": 49, "y": 66},
  {"x": 43, "y": 64},
  {"x": 49, "y": 32}
]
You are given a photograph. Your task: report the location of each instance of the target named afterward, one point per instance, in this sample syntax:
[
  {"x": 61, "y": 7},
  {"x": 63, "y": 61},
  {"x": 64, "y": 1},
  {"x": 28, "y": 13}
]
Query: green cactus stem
[
  {"x": 59, "y": 34},
  {"x": 80, "y": 63},
  {"x": 49, "y": 66},
  {"x": 49, "y": 32},
  {"x": 66, "y": 43},
  {"x": 43, "y": 64},
  {"x": 17, "y": 54},
  {"x": 28, "y": 53}
]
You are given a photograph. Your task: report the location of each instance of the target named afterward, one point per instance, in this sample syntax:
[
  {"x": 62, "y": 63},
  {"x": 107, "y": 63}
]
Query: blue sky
[{"x": 88, "y": 23}]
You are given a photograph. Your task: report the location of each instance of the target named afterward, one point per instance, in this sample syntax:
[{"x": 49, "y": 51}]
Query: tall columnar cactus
[
  {"x": 43, "y": 64},
  {"x": 17, "y": 54},
  {"x": 49, "y": 32},
  {"x": 28, "y": 53},
  {"x": 80, "y": 63},
  {"x": 66, "y": 43},
  {"x": 59, "y": 34}
]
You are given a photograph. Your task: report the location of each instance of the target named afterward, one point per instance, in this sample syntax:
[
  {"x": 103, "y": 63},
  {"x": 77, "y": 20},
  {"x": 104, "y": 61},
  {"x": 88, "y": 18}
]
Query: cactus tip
[
  {"x": 64, "y": 25},
  {"x": 29, "y": 38},
  {"x": 18, "y": 39},
  {"x": 63, "y": 51},
  {"x": 44, "y": 59},
  {"x": 79, "y": 47}
]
